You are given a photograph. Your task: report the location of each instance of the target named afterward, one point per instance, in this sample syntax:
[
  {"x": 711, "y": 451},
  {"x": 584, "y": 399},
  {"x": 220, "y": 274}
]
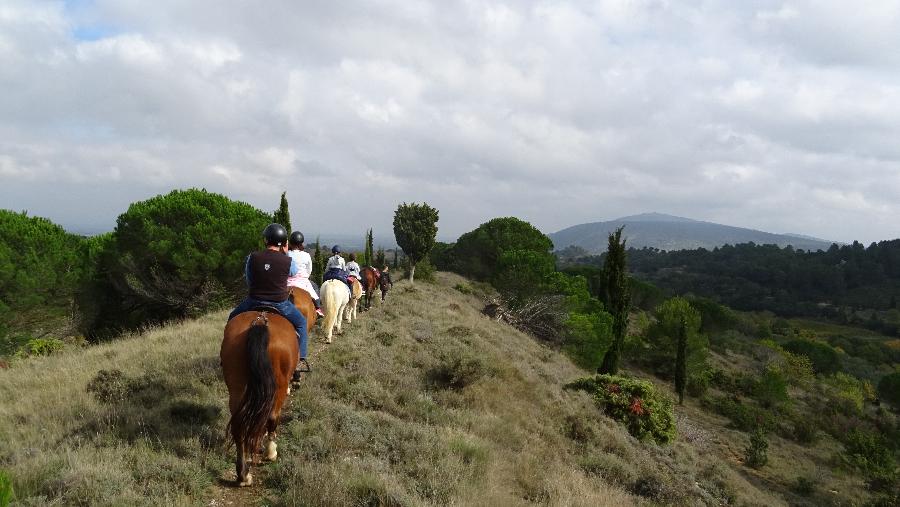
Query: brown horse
[
  {"x": 304, "y": 303},
  {"x": 370, "y": 280},
  {"x": 259, "y": 354}
]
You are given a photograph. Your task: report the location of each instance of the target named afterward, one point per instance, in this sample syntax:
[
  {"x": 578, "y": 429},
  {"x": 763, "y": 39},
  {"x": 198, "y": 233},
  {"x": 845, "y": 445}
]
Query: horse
[
  {"x": 385, "y": 283},
  {"x": 370, "y": 281},
  {"x": 350, "y": 313},
  {"x": 258, "y": 356},
  {"x": 335, "y": 298},
  {"x": 304, "y": 303}
]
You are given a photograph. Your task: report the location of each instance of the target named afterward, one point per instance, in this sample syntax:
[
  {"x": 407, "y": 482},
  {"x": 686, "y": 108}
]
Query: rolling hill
[
  {"x": 667, "y": 232},
  {"x": 140, "y": 421}
]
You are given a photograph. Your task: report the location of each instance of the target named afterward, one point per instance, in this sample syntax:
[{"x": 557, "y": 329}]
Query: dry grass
[{"x": 422, "y": 401}]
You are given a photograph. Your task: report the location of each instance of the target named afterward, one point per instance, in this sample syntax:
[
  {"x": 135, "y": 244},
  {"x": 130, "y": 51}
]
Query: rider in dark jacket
[{"x": 267, "y": 272}]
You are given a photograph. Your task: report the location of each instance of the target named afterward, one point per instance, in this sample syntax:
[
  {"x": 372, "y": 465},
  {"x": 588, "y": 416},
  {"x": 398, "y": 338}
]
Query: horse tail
[
  {"x": 331, "y": 304},
  {"x": 248, "y": 422}
]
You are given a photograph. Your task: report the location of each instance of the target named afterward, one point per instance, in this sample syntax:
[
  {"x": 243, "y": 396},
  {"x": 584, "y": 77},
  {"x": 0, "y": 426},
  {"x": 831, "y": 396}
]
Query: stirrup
[{"x": 303, "y": 366}]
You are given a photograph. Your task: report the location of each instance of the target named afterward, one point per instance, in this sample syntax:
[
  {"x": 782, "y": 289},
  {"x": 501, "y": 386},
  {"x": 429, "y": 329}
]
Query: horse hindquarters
[
  {"x": 334, "y": 300},
  {"x": 257, "y": 363}
]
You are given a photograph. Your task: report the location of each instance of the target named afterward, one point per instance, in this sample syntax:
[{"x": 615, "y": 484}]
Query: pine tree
[
  {"x": 681, "y": 362},
  {"x": 282, "y": 215},
  {"x": 618, "y": 299}
]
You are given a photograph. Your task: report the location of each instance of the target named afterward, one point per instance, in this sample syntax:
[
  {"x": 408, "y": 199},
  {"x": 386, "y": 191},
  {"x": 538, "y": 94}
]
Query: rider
[
  {"x": 267, "y": 272},
  {"x": 336, "y": 268},
  {"x": 386, "y": 278},
  {"x": 304, "y": 263},
  {"x": 353, "y": 268}
]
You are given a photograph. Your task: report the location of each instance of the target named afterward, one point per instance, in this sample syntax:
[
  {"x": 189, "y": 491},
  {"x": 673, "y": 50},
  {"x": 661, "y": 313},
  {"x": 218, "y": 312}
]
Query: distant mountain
[{"x": 667, "y": 232}]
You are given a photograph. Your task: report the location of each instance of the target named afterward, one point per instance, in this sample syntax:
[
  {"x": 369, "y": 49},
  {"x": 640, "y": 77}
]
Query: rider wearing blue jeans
[{"x": 267, "y": 273}]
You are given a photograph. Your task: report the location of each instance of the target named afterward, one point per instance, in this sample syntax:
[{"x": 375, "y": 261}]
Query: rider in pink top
[{"x": 304, "y": 262}]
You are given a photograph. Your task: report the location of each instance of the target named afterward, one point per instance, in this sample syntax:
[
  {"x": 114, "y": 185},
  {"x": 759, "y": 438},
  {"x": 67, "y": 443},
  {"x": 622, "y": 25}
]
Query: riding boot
[{"x": 318, "y": 305}]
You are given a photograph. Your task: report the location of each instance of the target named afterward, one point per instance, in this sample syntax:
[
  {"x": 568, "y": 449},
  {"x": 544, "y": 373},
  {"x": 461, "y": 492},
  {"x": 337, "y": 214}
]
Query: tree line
[
  {"x": 851, "y": 283},
  {"x": 172, "y": 256}
]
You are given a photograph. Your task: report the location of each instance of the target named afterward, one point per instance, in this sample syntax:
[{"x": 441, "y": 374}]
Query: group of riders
[{"x": 284, "y": 263}]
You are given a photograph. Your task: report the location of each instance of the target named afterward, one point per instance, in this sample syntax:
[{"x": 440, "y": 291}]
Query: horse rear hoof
[{"x": 246, "y": 482}]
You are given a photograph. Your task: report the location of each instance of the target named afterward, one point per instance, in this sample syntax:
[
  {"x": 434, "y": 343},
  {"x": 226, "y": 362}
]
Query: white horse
[
  {"x": 335, "y": 297},
  {"x": 354, "y": 301}
]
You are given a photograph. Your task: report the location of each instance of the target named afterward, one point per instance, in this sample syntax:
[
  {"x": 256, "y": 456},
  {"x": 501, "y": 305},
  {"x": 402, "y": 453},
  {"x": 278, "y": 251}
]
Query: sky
[{"x": 782, "y": 116}]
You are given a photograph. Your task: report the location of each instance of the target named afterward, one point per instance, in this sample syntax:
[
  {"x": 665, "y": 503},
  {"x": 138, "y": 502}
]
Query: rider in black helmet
[
  {"x": 336, "y": 268},
  {"x": 267, "y": 272}
]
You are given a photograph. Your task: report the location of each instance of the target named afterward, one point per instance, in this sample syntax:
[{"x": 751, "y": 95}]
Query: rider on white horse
[
  {"x": 336, "y": 268},
  {"x": 304, "y": 262}
]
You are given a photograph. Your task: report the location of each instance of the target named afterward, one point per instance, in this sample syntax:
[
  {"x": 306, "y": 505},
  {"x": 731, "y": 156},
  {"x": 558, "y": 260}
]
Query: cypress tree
[
  {"x": 282, "y": 215},
  {"x": 618, "y": 299},
  {"x": 370, "y": 250},
  {"x": 318, "y": 264},
  {"x": 379, "y": 258},
  {"x": 681, "y": 362},
  {"x": 396, "y": 261}
]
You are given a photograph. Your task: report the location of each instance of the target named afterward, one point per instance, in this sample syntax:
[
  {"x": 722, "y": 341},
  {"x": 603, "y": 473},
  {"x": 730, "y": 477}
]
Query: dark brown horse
[
  {"x": 304, "y": 303},
  {"x": 259, "y": 354},
  {"x": 370, "y": 280}
]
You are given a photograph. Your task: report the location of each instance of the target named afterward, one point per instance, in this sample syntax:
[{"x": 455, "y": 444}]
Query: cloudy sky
[{"x": 776, "y": 115}]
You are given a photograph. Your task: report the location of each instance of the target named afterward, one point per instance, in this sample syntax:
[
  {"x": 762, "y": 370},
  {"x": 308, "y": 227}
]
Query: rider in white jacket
[{"x": 304, "y": 262}]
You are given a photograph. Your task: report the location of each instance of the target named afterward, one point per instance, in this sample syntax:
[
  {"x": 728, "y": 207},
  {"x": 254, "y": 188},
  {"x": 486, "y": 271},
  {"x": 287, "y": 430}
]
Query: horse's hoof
[{"x": 246, "y": 482}]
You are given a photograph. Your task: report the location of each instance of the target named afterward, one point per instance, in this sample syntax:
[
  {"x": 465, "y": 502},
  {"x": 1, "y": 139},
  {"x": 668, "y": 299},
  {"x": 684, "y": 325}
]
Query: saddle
[{"x": 263, "y": 309}]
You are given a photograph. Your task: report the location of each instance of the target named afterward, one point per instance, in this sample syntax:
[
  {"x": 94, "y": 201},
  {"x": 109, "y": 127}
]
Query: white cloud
[{"x": 559, "y": 112}]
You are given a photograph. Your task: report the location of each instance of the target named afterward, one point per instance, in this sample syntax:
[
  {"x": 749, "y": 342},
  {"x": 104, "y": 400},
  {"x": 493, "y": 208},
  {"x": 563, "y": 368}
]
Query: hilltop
[
  {"x": 422, "y": 401},
  {"x": 667, "y": 232}
]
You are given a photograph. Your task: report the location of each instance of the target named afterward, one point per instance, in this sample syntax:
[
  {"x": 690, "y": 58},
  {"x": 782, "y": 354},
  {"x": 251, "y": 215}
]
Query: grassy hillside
[{"x": 422, "y": 401}]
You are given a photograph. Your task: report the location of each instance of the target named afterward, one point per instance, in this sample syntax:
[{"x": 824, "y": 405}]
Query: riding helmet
[
  {"x": 275, "y": 235},
  {"x": 335, "y": 249},
  {"x": 297, "y": 238}
]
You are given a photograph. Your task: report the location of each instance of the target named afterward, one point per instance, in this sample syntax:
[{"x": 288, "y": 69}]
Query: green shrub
[
  {"x": 698, "y": 383},
  {"x": 825, "y": 359},
  {"x": 756, "y": 454},
  {"x": 744, "y": 416},
  {"x": 870, "y": 453},
  {"x": 109, "y": 386},
  {"x": 805, "y": 430},
  {"x": 458, "y": 370},
  {"x": 40, "y": 347},
  {"x": 634, "y": 403},
  {"x": 804, "y": 486},
  {"x": 771, "y": 389},
  {"x": 889, "y": 388},
  {"x": 847, "y": 393},
  {"x": 464, "y": 288},
  {"x": 612, "y": 468},
  {"x": 6, "y": 489}
]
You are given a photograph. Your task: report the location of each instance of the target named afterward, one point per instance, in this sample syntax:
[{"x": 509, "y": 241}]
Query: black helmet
[
  {"x": 275, "y": 235},
  {"x": 296, "y": 238},
  {"x": 335, "y": 249}
]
